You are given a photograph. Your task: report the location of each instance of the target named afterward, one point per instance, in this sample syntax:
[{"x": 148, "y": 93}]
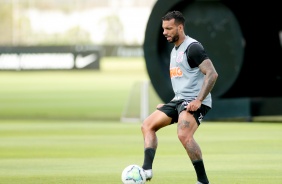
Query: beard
[{"x": 174, "y": 38}]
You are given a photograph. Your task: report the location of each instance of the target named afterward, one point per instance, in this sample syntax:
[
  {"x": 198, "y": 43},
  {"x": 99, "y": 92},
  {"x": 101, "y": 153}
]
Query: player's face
[{"x": 170, "y": 31}]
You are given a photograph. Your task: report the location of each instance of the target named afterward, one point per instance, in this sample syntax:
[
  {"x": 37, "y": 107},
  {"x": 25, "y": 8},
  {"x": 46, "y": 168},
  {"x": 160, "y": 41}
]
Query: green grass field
[
  {"x": 62, "y": 127},
  {"x": 87, "y": 94},
  {"x": 88, "y": 152}
]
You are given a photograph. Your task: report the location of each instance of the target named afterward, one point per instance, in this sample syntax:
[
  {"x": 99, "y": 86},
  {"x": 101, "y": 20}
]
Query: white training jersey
[{"x": 186, "y": 81}]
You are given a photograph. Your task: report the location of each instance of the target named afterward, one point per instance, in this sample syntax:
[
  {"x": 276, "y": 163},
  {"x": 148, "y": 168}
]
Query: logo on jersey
[
  {"x": 179, "y": 57},
  {"x": 175, "y": 72}
]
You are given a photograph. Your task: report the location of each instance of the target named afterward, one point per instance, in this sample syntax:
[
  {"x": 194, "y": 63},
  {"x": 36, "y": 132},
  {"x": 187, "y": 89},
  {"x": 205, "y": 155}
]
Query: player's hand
[
  {"x": 160, "y": 105},
  {"x": 193, "y": 105}
]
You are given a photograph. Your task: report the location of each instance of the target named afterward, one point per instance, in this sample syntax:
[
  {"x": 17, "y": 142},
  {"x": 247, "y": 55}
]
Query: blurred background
[
  {"x": 70, "y": 22},
  {"x": 108, "y": 59},
  {"x": 65, "y": 59}
]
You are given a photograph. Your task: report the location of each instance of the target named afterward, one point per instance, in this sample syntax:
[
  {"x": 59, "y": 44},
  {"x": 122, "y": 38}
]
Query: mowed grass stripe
[
  {"x": 76, "y": 94},
  {"x": 72, "y": 152}
]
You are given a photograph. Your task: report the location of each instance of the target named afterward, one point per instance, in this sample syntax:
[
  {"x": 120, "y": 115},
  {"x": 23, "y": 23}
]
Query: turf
[
  {"x": 63, "y": 127},
  {"x": 87, "y": 152},
  {"x": 76, "y": 94}
]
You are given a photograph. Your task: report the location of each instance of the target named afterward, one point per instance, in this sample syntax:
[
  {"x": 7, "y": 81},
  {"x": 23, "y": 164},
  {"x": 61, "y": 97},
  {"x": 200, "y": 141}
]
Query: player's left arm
[
  {"x": 198, "y": 57},
  {"x": 210, "y": 78},
  {"x": 209, "y": 81}
]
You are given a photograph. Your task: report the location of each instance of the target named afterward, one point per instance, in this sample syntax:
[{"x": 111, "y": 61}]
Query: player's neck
[{"x": 180, "y": 40}]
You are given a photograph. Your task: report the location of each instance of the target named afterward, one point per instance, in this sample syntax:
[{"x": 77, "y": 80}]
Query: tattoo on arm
[{"x": 210, "y": 78}]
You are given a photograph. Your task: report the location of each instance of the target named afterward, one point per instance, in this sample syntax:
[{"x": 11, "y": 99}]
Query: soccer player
[{"x": 193, "y": 76}]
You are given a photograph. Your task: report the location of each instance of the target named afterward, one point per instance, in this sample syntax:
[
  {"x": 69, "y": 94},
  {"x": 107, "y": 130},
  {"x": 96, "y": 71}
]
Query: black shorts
[{"x": 174, "y": 108}]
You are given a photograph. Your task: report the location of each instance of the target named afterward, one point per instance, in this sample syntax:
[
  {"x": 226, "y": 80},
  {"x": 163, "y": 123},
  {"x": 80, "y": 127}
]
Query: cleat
[
  {"x": 199, "y": 182},
  {"x": 148, "y": 174}
]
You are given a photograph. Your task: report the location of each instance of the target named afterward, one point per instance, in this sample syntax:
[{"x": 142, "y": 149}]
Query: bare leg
[
  {"x": 186, "y": 128},
  {"x": 149, "y": 128}
]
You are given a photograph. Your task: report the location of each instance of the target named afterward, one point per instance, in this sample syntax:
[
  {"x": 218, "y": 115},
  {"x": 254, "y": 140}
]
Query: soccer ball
[{"x": 133, "y": 174}]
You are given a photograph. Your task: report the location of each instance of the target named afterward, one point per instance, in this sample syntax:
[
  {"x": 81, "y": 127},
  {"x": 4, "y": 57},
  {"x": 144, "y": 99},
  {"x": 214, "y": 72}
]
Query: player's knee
[
  {"x": 184, "y": 138},
  {"x": 145, "y": 126},
  {"x": 142, "y": 127},
  {"x": 181, "y": 138},
  {"x": 148, "y": 125}
]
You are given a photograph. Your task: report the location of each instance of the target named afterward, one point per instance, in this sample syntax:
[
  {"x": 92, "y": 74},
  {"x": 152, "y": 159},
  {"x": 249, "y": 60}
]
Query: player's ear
[{"x": 180, "y": 27}]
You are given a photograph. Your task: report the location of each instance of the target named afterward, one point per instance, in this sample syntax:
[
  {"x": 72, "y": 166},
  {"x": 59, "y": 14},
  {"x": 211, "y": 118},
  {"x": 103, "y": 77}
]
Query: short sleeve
[{"x": 196, "y": 54}]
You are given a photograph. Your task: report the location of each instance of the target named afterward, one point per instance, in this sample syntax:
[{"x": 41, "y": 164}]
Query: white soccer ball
[{"x": 133, "y": 174}]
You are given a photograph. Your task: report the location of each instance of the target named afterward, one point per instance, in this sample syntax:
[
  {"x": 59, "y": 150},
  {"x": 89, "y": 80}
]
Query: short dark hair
[{"x": 177, "y": 15}]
